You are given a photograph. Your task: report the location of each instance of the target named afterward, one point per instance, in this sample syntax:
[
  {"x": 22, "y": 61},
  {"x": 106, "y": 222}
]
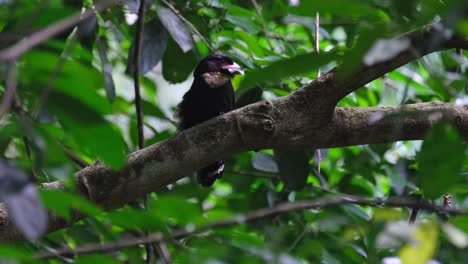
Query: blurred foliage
[{"x": 76, "y": 92}]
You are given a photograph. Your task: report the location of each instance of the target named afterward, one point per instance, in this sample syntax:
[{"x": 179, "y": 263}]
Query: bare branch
[
  {"x": 317, "y": 49},
  {"x": 10, "y": 88},
  {"x": 38, "y": 37},
  {"x": 75, "y": 158},
  {"x": 256, "y": 215},
  {"x": 136, "y": 72}
]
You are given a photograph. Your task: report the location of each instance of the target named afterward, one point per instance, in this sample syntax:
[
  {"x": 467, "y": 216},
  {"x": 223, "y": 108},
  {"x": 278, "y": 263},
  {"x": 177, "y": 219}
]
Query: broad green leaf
[
  {"x": 13, "y": 252},
  {"x": 440, "y": 160},
  {"x": 176, "y": 28},
  {"x": 89, "y": 129},
  {"x": 293, "y": 168},
  {"x": 153, "y": 46},
  {"x": 177, "y": 65},
  {"x": 176, "y": 209},
  {"x": 136, "y": 219},
  {"x": 74, "y": 79},
  {"x": 106, "y": 68},
  {"x": 243, "y": 18},
  {"x": 51, "y": 15},
  {"x": 63, "y": 202},
  {"x": 284, "y": 68},
  {"x": 83, "y": 234}
]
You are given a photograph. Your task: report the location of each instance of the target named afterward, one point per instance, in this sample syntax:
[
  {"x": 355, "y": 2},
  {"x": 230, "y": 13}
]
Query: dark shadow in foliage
[{"x": 293, "y": 167}]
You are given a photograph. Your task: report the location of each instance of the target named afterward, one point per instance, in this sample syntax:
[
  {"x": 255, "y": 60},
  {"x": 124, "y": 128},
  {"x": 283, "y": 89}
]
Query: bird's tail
[{"x": 208, "y": 175}]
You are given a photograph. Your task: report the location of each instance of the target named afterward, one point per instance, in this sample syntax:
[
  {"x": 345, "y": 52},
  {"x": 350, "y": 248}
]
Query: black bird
[{"x": 210, "y": 95}]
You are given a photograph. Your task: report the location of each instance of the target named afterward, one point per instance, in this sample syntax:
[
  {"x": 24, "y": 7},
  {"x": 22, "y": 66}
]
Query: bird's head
[{"x": 217, "y": 69}]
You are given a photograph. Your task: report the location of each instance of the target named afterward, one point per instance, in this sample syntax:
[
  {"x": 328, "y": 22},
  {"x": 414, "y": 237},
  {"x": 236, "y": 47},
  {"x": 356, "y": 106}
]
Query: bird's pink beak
[{"x": 234, "y": 69}]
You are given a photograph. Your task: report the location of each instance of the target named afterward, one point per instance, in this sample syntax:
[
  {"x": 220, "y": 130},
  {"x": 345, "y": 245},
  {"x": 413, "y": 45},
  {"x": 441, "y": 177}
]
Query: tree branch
[
  {"x": 268, "y": 212},
  {"x": 307, "y": 118}
]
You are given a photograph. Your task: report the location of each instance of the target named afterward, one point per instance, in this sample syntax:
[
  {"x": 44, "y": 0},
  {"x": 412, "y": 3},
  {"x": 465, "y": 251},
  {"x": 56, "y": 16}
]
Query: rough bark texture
[{"x": 307, "y": 118}]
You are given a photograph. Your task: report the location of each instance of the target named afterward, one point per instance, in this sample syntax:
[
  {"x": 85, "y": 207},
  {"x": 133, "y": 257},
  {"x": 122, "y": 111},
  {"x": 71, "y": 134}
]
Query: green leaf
[
  {"x": 293, "y": 168},
  {"x": 440, "y": 160},
  {"x": 75, "y": 79},
  {"x": 175, "y": 208},
  {"x": 135, "y": 219},
  {"x": 153, "y": 46},
  {"x": 89, "y": 129},
  {"x": 16, "y": 252},
  {"x": 106, "y": 67},
  {"x": 281, "y": 69},
  {"x": 243, "y": 18},
  {"x": 424, "y": 246},
  {"x": 63, "y": 202},
  {"x": 176, "y": 28},
  {"x": 177, "y": 65}
]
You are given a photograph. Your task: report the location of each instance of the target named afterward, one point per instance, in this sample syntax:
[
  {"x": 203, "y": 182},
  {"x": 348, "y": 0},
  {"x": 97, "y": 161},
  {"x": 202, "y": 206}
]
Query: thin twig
[
  {"x": 415, "y": 211},
  {"x": 188, "y": 24},
  {"x": 258, "y": 174},
  {"x": 317, "y": 49},
  {"x": 252, "y": 216},
  {"x": 40, "y": 36},
  {"x": 136, "y": 72},
  {"x": 75, "y": 158},
  {"x": 459, "y": 52},
  {"x": 317, "y": 38},
  {"x": 164, "y": 252},
  {"x": 139, "y": 111},
  {"x": 10, "y": 88}
]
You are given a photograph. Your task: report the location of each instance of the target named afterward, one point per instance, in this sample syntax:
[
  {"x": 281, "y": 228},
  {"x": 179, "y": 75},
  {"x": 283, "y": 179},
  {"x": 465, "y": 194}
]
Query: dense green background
[{"x": 76, "y": 93}]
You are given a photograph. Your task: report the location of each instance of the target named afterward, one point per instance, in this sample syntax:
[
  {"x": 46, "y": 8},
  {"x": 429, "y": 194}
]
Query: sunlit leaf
[
  {"x": 285, "y": 68},
  {"x": 424, "y": 246}
]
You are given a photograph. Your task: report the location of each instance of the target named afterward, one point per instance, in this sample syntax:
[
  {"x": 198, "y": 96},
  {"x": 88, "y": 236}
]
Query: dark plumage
[{"x": 210, "y": 95}]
